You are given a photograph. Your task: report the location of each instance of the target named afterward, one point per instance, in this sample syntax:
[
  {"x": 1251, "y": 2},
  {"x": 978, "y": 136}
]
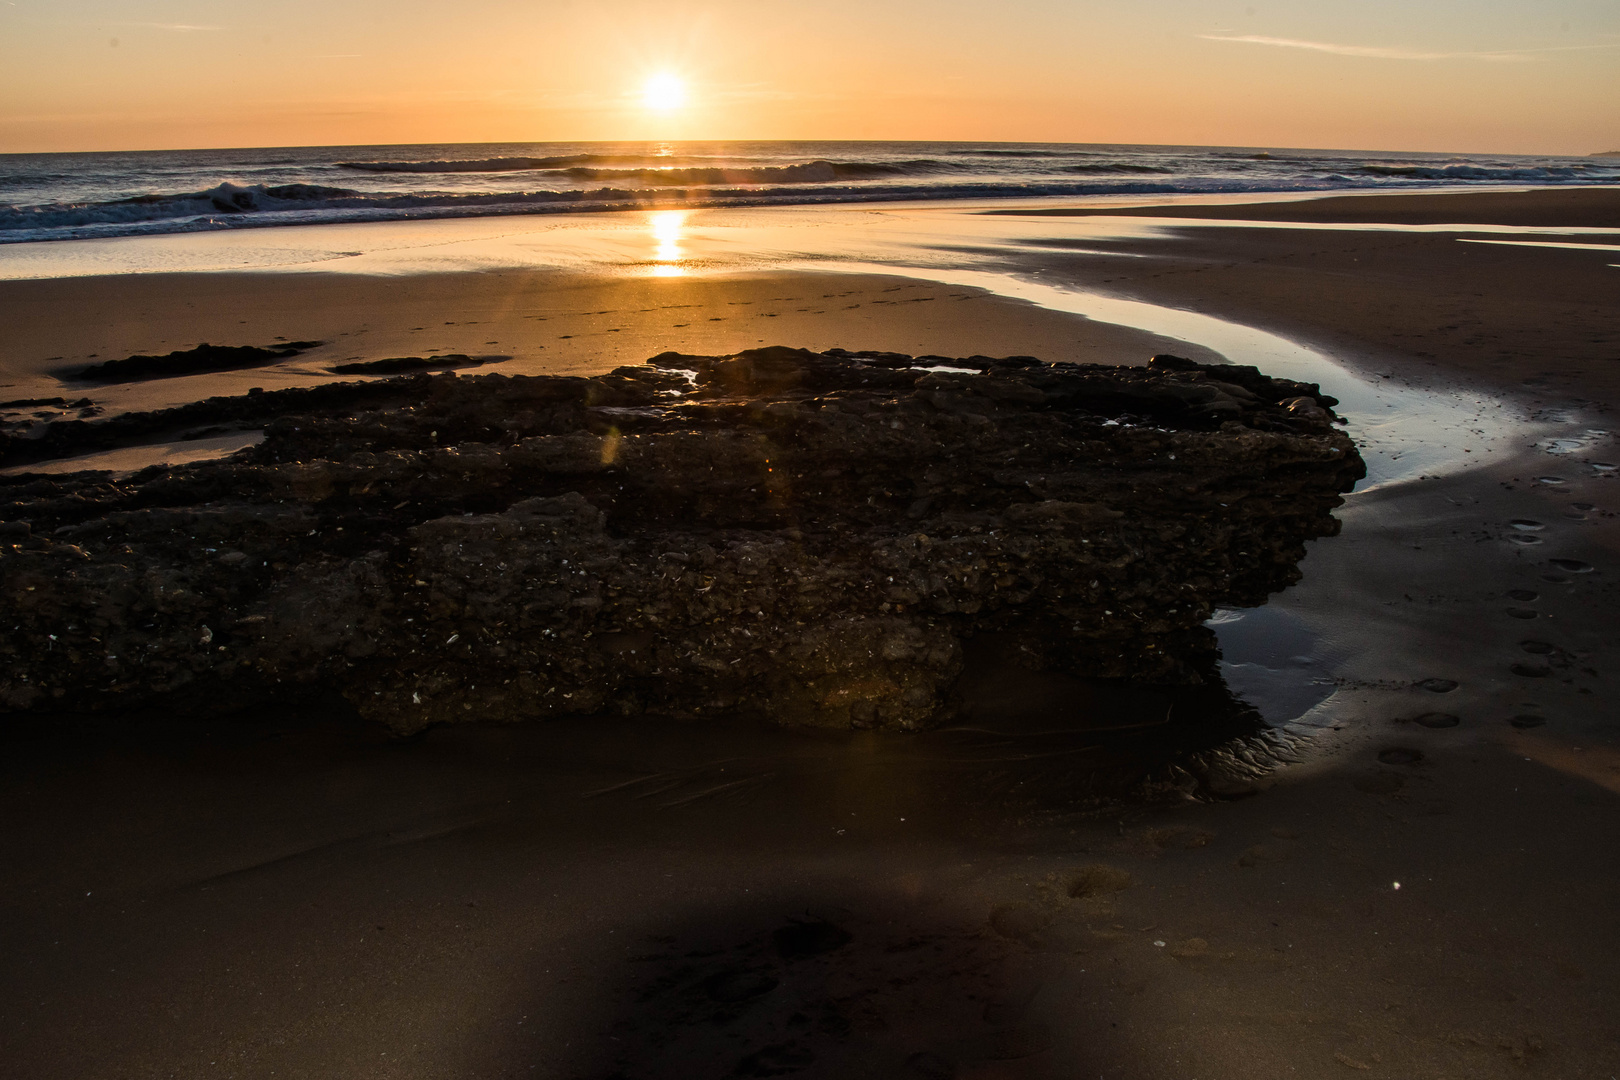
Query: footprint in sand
[
  {"x": 1019, "y": 922},
  {"x": 1530, "y": 671},
  {"x": 1380, "y": 782},
  {"x": 1098, "y": 879},
  {"x": 1521, "y": 613},
  {"x": 1522, "y": 528},
  {"x": 1524, "y": 596},
  {"x": 1550, "y": 480},
  {"x": 1571, "y": 566},
  {"x": 1527, "y": 720},
  {"x": 1400, "y": 755},
  {"x": 777, "y": 1059},
  {"x": 1538, "y": 648},
  {"x": 811, "y": 937},
  {"x": 1584, "y": 506},
  {"x": 1437, "y": 720},
  {"x": 734, "y": 986},
  {"x": 1437, "y": 686}
]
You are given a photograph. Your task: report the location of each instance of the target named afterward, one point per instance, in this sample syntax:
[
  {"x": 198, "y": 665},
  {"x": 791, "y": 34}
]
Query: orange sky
[{"x": 1464, "y": 75}]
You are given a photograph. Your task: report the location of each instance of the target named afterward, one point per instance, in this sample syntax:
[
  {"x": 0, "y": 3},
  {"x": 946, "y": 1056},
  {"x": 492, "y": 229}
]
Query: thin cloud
[
  {"x": 1377, "y": 52},
  {"x": 179, "y": 28}
]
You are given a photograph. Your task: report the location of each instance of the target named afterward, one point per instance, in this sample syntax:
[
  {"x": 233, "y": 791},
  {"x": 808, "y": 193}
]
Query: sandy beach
[{"x": 1412, "y": 875}]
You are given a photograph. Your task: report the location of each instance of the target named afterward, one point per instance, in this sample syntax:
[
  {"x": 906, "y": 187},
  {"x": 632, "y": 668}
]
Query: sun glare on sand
[{"x": 664, "y": 92}]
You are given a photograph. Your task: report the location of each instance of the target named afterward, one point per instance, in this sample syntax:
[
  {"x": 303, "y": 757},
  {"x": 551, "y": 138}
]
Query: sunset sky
[{"x": 1535, "y": 76}]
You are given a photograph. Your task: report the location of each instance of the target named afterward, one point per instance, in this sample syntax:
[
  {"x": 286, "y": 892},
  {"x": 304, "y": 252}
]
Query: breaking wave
[
  {"x": 1117, "y": 168},
  {"x": 230, "y": 206},
  {"x": 1533, "y": 175},
  {"x": 811, "y": 172},
  {"x": 664, "y": 171}
]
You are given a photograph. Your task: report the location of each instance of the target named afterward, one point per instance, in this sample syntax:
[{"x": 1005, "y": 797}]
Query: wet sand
[
  {"x": 1585, "y": 207},
  {"x": 540, "y": 321},
  {"x": 1450, "y": 306},
  {"x": 294, "y": 894}
]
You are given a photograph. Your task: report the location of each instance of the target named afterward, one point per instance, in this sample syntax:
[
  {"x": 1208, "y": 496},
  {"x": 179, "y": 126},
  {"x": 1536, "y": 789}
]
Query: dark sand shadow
[{"x": 832, "y": 982}]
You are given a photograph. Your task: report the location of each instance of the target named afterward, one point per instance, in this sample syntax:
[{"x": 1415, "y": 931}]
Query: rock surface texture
[{"x": 808, "y": 537}]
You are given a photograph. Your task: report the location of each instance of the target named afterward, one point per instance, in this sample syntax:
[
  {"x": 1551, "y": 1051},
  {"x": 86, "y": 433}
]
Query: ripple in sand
[
  {"x": 1571, "y": 566},
  {"x": 1527, "y": 720},
  {"x": 1400, "y": 755},
  {"x": 1524, "y": 596},
  {"x": 1438, "y": 686}
]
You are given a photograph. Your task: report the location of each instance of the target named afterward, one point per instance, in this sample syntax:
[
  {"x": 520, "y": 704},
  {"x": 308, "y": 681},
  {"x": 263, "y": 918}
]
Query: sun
[{"x": 664, "y": 92}]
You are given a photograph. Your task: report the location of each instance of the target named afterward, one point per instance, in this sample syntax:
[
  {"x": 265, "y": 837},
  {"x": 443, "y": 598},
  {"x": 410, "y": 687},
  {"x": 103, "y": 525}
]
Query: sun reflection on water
[{"x": 666, "y": 226}]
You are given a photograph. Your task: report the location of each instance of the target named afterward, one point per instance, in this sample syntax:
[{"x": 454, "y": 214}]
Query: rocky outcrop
[{"x": 808, "y": 537}]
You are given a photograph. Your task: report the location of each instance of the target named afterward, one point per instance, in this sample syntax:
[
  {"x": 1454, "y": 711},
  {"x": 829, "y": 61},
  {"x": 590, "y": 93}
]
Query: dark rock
[
  {"x": 402, "y": 365},
  {"x": 203, "y": 358},
  {"x": 808, "y": 537}
]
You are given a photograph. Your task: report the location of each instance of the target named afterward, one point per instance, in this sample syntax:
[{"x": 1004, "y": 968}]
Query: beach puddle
[
  {"x": 132, "y": 459},
  {"x": 1273, "y": 661}
]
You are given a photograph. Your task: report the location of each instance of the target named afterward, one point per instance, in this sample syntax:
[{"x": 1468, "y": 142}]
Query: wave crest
[{"x": 1478, "y": 172}]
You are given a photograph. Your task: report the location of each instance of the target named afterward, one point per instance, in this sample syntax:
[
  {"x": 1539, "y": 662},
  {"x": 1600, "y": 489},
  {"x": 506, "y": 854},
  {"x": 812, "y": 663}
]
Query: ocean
[{"x": 97, "y": 195}]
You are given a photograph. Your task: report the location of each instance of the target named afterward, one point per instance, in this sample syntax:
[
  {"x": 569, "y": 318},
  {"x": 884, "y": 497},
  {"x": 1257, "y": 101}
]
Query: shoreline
[
  {"x": 1594, "y": 207},
  {"x": 1417, "y": 305}
]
